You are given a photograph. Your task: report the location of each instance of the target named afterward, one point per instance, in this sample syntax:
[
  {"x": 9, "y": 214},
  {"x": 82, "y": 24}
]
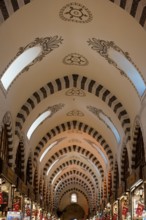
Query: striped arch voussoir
[
  {"x": 74, "y": 125},
  {"x": 136, "y": 9},
  {"x": 80, "y": 82}
]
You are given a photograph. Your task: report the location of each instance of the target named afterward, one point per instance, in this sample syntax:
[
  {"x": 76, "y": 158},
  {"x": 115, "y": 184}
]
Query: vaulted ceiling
[{"x": 81, "y": 75}]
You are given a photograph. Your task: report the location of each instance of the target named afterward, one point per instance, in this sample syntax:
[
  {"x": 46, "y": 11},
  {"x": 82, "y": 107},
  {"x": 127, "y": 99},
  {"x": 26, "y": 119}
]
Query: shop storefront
[
  {"x": 137, "y": 195},
  {"x": 125, "y": 207},
  {"x": 8, "y": 181},
  {"x": 115, "y": 210},
  {"x": 5, "y": 188}
]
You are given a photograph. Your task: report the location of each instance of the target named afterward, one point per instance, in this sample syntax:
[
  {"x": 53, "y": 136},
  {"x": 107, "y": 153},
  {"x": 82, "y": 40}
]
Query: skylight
[
  {"x": 22, "y": 61},
  {"x": 52, "y": 166},
  {"x": 74, "y": 197},
  {"x": 37, "y": 122},
  {"x": 56, "y": 176},
  {"x": 47, "y": 149},
  {"x": 95, "y": 167},
  {"x": 129, "y": 69},
  {"x": 110, "y": 125},
  {"x": 101, "y": 153}
]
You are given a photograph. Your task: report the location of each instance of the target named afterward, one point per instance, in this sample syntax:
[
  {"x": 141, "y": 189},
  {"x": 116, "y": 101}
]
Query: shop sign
[
  {"x": 16, "y": 206},
  {"x": 139, "y": 209},
  {"x": 28, "y": 211},
  {"x": 1, "y": 198},
  {"x": 124, "y": 211},
  {"x": 16, "y": 203},
  {"x": 131, "y": 180},
  {"x": 115, "y": 216},
  {"x": 35, "y": 212},
  {"x": 9, "y": 174}
]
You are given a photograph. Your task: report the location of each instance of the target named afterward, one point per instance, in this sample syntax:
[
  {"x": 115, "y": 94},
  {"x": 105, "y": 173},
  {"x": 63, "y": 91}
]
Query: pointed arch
[{"x": 6, "y": 139}]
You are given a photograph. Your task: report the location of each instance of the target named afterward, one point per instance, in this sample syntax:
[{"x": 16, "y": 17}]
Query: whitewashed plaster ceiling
[{"x": 77, "y": 78}]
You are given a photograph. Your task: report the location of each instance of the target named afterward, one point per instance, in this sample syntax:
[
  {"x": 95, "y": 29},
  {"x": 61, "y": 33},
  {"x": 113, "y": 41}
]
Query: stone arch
[
  {"x": 36, "y": 183},
  {"x": 7, "y": 138},
  {"x": 138, "y": 150},
  {"x": 29, "y": 171},
  {"x": 74, "y": 125},
  {"x": 76, "y": 162},
  {"x": 125, "y": 163},
  {"x": 83, "y": 185},
  {"x": 77, "y": 149},
  {"x": 72, "y": 189},
  {"x": 115, "y": 179},
  {"x": 77, "y": 181},
  {"x": 19, "y": 160},
  {"x": 80, "y": 82},
  {"x": 109, "y": 185}
]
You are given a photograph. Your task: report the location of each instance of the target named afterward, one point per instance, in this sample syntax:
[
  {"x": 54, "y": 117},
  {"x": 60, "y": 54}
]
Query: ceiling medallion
[
  {"x": 75, "y": 113},
  {"x": 75, "y": 92},
  {"x": 75, "y": 59},
  {"x": 75, "y": 12}
]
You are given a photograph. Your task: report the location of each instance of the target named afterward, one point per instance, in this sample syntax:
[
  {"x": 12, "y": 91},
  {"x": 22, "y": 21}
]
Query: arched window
[{"x": 73, "y": 198}]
